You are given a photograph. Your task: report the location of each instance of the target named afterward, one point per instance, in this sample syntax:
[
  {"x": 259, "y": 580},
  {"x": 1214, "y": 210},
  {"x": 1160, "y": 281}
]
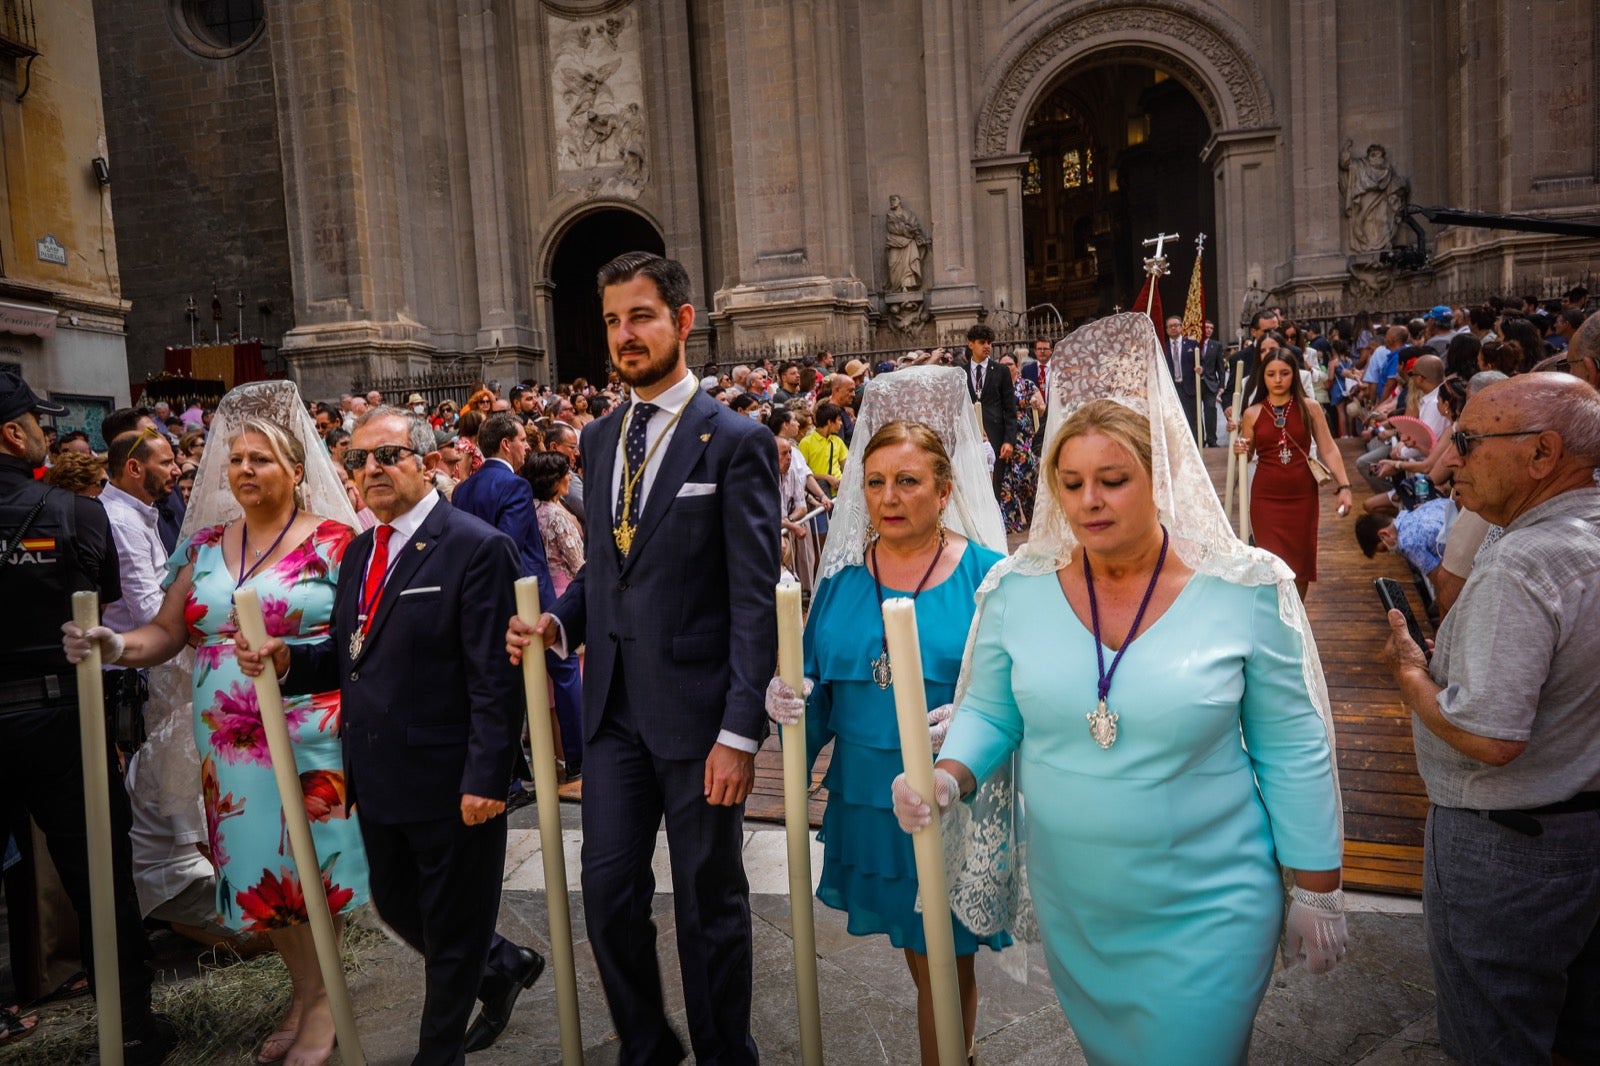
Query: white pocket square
[
  {"x": 698, "y": 488},
  {"x": 424, "y": 588}
]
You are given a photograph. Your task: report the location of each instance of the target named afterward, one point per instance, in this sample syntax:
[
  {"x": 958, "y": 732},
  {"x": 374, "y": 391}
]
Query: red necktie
[{"x": 377, "y": 570}]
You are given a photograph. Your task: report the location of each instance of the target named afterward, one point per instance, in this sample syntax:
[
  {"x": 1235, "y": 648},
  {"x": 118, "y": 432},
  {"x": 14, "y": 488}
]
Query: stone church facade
[{"x": 400, "y": 186}]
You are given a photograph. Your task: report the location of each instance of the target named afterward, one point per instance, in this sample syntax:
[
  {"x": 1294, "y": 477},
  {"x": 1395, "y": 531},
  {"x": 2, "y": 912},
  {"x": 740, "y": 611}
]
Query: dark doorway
[
  {"x": 591, "y": 242},
  {"x": 1114, "y": 158}
]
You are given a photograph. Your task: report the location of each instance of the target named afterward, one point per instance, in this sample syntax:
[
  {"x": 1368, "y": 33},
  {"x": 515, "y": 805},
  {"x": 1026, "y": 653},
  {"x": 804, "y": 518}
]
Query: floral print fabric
[{"x": 257, "y": 886}]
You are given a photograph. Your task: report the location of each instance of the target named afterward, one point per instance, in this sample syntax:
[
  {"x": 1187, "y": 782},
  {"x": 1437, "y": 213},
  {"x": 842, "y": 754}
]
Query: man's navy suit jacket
[
  {"x": 504, "y": 500},
  {"x": 688, "y": 617},
  {"x": 431, "y": 708}
]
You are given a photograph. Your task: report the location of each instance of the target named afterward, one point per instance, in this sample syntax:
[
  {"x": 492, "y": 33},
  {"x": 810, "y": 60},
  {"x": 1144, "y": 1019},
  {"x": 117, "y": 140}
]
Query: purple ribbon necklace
[
  {"x": 261, "y": 557},
  {"x": 1103, "y": 723}
]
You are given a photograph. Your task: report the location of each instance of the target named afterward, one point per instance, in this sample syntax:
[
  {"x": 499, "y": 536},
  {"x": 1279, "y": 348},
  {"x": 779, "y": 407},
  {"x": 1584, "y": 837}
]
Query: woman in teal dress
[
  {"x": 290, "y": 556},
  {"x": 1158, "y": 688},
  {"x": 905, "y": 479}
]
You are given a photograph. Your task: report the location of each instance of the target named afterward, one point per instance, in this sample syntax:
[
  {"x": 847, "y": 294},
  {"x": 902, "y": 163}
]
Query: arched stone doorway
[
  {"x": 1183, "y": 65},
  {"x": 576, "y": 329},
  {"x": 1113, "y": 157}
]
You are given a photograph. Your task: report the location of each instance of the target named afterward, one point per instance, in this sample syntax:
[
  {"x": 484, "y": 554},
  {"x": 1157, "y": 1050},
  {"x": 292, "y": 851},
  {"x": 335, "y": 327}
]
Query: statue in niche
[
  {"x": 1373, "y": 193},
  {"x": 906, "y": 242}
]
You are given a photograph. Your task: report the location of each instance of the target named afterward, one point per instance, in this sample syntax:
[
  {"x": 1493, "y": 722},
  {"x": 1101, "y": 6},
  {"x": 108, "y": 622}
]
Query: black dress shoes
[
  {"x": 499, "y": 997},
  {"x": 148, "y": 1041}
]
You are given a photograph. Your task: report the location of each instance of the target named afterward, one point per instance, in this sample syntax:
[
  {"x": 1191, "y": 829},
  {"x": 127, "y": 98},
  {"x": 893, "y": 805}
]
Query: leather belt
[
  {"x": 1527, "y": 821},
  {"x": 37, "y": 691}
]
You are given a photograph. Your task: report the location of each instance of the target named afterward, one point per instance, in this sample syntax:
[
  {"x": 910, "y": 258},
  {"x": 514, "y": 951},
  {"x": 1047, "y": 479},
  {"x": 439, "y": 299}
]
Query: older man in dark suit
[
  {"x": 432, "y": 720},
  {"x": 675, "y": 604}
]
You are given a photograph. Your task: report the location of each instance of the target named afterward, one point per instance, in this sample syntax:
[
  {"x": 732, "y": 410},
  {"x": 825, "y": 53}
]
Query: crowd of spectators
[{"x": 1417, "y": 378}]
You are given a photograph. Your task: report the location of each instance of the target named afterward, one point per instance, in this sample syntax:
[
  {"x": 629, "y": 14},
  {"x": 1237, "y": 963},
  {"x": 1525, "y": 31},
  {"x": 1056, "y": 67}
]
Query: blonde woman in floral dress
[{"x": 291, "y": 557}]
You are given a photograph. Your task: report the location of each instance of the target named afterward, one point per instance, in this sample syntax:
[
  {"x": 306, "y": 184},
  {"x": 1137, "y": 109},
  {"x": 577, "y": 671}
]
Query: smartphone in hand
[{"x": 1393, "y": 597}]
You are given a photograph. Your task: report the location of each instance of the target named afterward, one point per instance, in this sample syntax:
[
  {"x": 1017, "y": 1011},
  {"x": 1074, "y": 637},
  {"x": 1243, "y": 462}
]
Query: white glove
[
  {"x": 939, "y": 725},
  {"x": 783, "y": 706},
  {"x": 910, "y": 811},
  {"x": 77, "y": 643},
  {"x": 1315, "y": 929}
]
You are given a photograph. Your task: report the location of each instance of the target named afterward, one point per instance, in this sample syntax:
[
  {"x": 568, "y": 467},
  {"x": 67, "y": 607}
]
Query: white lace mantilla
[
  {"x": 1117, "y": 358},
  {"x": 937, "y": 397},
  {"x": 211, "y": 502}
]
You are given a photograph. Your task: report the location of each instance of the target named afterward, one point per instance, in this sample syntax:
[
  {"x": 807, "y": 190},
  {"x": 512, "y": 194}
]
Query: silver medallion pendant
[
  {"x": 1284, "y": 454},
  {"x": 356, "y": 640},
  {"x": 881, "y": 671},
  {"x": 1103, "y": 726}
]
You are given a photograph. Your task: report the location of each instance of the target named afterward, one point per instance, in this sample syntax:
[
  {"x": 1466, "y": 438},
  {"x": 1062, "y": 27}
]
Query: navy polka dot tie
[{"x": 628, "y": 508}]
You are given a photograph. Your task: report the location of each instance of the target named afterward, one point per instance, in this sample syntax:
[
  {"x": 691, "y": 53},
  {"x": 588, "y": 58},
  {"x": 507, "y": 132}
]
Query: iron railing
[{"x": 19, "y": 31}]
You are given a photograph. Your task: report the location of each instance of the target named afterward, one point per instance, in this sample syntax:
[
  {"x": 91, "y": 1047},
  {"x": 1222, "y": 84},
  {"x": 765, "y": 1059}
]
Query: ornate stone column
[
  {"x": 790, "y": 179},
  {"x": 1002, "y": 263},
  {"x": 331, "y": 74},
  {"x": 1249, "y": 244},
  {"x": 950, "y": 275}
]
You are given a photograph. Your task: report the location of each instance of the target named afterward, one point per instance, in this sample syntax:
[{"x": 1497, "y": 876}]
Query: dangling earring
[{"x": 872, "y": 536}]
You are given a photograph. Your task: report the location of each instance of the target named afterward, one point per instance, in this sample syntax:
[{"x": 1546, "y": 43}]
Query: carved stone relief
[
  {"x": 597, "y": 99},
  {"x": 1114, "y": 21}
]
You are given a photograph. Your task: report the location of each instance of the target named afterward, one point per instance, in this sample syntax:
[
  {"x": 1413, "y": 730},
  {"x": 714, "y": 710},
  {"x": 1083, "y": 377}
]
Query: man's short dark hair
[
  {"x": 980, "y": 332},
  {"x": 119, "y": 422},
  {"x": 1481, "y": 317},
  {"x": 497, "y": 428},
  {"x": 1573, "y": 317},
  {"x": 786, "y": 367},
  {"x": 779, "y": 418},
  {"x": 1578, "y": 295},
  {"x": 831, "y": 412},
  {"x": 135, "y": 444},
  {"x": 743, "y": 402},
  {"x": 1261, "y": 316},
  {"x": 672, "y": 281},
  {"x": 1367, "y": 527}
]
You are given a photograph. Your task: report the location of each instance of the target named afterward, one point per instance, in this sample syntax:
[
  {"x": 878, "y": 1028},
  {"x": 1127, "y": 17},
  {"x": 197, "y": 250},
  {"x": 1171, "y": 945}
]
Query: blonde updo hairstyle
[
  {"x": 904, "y": 431},
  {"x": 1110, "y": 419},
  {"x": 285, "y": 448}
]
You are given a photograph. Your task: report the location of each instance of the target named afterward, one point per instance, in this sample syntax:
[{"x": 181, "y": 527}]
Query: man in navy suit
[
  {"x": 499, "y": 496},
  {"x": 990, "y": 384},
  {"x": 431, "y": 722},
  {"x": 1181, "y": 353},
  {"x": 682, "y": 642}
]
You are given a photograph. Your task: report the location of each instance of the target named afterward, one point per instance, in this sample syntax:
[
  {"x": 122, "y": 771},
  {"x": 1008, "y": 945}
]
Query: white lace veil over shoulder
[
  {"x": 171, "y": 765},
  {"x": 211, "y": 502},
  {"x": 1120, "y": 359},
  {"x": 937, "y": 397}
]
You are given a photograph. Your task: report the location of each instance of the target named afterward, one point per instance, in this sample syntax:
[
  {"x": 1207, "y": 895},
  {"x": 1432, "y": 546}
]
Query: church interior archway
[
  {"x": 576, "y": 328},
  {"x": 1114, "y": 158}
]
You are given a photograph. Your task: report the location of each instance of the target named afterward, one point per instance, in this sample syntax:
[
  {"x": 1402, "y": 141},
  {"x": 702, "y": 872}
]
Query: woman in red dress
[{"x": 1278, "y": 428}]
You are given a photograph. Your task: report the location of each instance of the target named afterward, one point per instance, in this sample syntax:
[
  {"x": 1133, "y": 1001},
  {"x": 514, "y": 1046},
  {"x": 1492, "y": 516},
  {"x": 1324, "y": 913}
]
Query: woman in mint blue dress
[
  {"x": 904, "y": 481},
  {"x": 1156, "y": 682}
]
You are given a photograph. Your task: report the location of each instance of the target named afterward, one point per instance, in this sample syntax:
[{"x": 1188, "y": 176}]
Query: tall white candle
[
  {"x": 797, "y": 825},
  {"x": 916, "y": 750},
  {"x": 97, "y": 811},
  {"x": 535, "y": 682},
  {"x": 253, "y": 627}
]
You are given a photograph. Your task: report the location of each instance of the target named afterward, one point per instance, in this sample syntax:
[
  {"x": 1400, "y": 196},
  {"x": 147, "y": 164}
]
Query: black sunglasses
[
  {"x": 1464, "y": 441},
  {"x": 386, "y": 454}
]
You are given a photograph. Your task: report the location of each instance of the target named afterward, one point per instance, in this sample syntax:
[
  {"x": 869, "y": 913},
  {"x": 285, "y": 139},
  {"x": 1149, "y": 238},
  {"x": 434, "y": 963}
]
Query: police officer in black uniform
[{"x": 54, "y": 543}]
